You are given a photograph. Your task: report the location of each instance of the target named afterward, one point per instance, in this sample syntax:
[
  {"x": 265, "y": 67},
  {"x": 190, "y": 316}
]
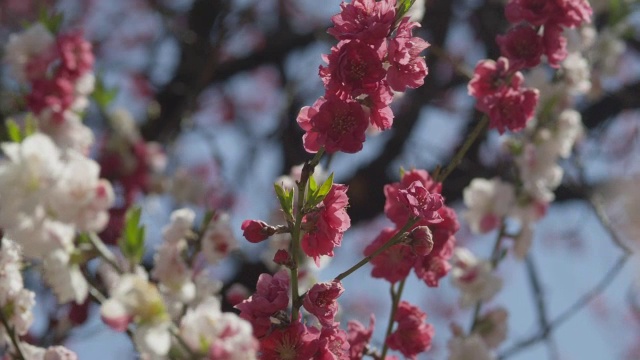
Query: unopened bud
[{"x": 421, "y": 240}]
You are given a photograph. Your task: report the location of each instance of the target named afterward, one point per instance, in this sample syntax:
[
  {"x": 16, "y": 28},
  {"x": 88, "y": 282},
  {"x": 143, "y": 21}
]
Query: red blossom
[
  {"x": 333, "y": 344},
  {"x": 522, "y": 46},
  {"x": 380, "y": 114},
  {"x": 421, "y": 203},
  {"x": 573, "y": 13},
  {"x": 353, "y": 68},
  {"x": 75, "y": 54},
  {"x": 338, "y": 125},
  {"x": 295, "y": 342},
  {"x": 535, "y": 12},
  {"x": 555, "y": 45},
  {"x": 407, "y": 68},
  {"x": 490, "y": 78},
  {"x": 359, "y": 337},
  {"x": 512, "y": 109},
  {"x": 271, "y": 296},
  {"x": 412, "y": 335},
  {"x": 366, "y": 20},
  {"x": 255, "y": 231},
  {"x": 327, "y": 224},
  {"x": 393, "y": 264},
  {"x": 321, "y": 301}
]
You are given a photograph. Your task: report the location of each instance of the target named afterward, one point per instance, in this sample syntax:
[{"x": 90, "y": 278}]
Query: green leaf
[
  {"x": 313, "y": 186},
  {"x": 52, "y": 21},
  {"x": 206, "y": 220},
  {"x": 617, "y": 11},
  {"x": 132, "y": 241},
  {"x": 13, "y": 130},
  {"x": 403, "y": 8},
  {"x": 402, "y": 171},
  {"x": 101, "y": 95},
  {"x": 30, "y": 125},
  {"x": 285, "y": 196},
  {"x": 326, "y": 187}
]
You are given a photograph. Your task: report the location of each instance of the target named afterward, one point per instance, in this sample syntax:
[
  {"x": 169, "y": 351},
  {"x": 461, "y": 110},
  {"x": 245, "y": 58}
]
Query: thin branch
[
  {"x": 14, "y": 338},
  {"x": 571, "y": 310},
  {"x": 541, "y": 307},
  {"x": 104, "y": 251},
  {"x": 394, "y": 240},
  {"x": 395, "y": 300},
  {"x": 457, "y": 158}
]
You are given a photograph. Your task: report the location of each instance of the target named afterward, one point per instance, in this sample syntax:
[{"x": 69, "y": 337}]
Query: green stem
[
  {"x": 104, "y": 252},
  {"x": 394, "y": 240},
  {"x": 12, "y": 334},
  {"x": 395, "y": 300},
  {"x": 457, "y": 158},
  {"x": 307, "y": 171}
]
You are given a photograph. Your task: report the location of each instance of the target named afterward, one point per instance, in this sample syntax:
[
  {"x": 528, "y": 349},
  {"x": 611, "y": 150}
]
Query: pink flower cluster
[
  {"x": 537, "y": 31},
  {"x": 395, "y": 263},
  {"x": 283, "y": 340},
  {"x": 370, "y": 60},
  {"x": 54, "y": 75},
  {"x": 326, "y": 225},
  {"x": 501, "y": 95},
  {"x": 412, "y": 335}
]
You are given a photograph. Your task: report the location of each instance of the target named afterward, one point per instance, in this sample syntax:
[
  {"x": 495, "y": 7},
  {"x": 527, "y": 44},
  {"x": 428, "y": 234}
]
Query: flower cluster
[
  {"x": 16, "y": 306},
  {"x": 57, "y": 69},
  {"x": 412, "y": 335},
  {"x": 48, "y": 195},
  {"x": 372, "y": 59},
  {"x": 416, "y": 196},
  {"x": 498, "y": 86}
]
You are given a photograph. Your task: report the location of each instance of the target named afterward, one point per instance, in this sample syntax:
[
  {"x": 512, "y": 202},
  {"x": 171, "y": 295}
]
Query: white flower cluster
[
  {"x": 488, "y": 333},
  {"x": 473, "y": 277},
  {"x": 48, "y": 195},
  {"x": 183, "y": 295}
]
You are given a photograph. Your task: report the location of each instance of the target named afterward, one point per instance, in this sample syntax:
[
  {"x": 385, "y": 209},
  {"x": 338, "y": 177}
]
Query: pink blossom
[
  {"x": 321, "y": 301},
  {"x": 412, "y": 335},
  {"x": 407, "y": 67},
  {"x": 359, "y": 337},
  {"x": 326, "y": 224},
  {"x": 430, "y": 269},
  {"x": 271, "y": 296},
  {"x": 421, "y": 203},
  {"x": 555, "y": 45},
  {"x": 338, "y": 125},
  {"x": 366, "y": 20},
  {"x": 282, "y": 257},
  {"x": 535, "y": 12},
  {"x": 255, "y": 231},
  {"x": 75, "y": 53},
  {"x": 393, "y": 264},
  {"x": 573, "y": 13},
  {"x": 294, "y": 342},
  {"x": 333, "y": 344},
  {"x": 522, "y": 46},
  {"x": 395, "y": 210},
  {"x": 380, "y": 114},
  {"x": 512, "y": 109},
  {"x": 353, "y": 68},
  {"x": 491, "y": 78}
]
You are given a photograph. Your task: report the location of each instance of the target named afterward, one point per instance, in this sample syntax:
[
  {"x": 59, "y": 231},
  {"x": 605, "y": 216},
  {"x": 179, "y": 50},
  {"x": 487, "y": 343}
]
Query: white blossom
[
  {"x": 23, "y": 46},
  {"x": 65, "y": 279},
  {"x": 488, "y": 201},
  {"x": 473, "y": 277}
]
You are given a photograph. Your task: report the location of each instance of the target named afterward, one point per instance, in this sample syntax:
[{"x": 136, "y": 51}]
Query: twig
[
  {"x": 394, "y": 240},
  {"x": 457, "y": 158},
  {"x": 104, "y": 252},
  {"x": 495, "y": 259},
  {"x": 12, "y": 334},
  {"x": 395, "y": 300},
  {"x": 307, "y": 171},
  {"x": 541, "y": 307},
  {"x": 595, "y": 201},
  {"x": 571, "y": 310}
]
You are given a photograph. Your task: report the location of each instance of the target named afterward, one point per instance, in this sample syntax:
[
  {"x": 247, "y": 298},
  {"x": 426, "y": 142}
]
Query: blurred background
[{"x": 214, "y": 87}]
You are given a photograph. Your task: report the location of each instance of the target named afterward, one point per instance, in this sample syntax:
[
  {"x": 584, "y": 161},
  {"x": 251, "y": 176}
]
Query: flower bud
[
  {"x": 282, "y": 257},
  {"x": 255, "y": 231},
  {"x": 421, "y": 240}
]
